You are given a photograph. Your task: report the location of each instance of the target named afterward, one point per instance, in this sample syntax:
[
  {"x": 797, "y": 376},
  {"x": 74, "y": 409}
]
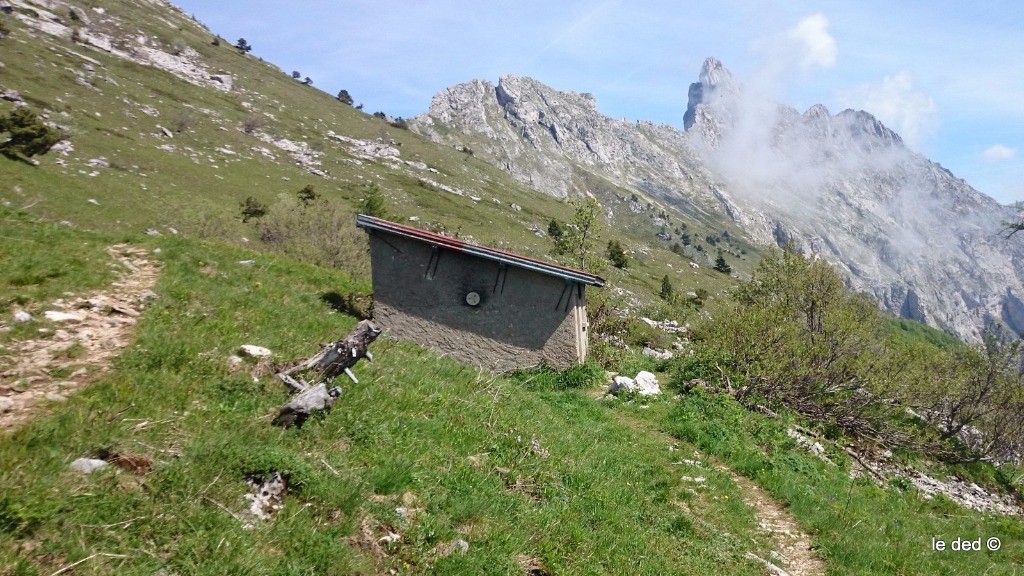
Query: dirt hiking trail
[
  {"x": 792, "y": 552},
  {"x": 89, "y": 331}
]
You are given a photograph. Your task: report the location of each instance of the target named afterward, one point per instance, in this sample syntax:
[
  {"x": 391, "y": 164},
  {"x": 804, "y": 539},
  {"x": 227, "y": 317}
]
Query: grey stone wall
[{"x": 524, "y": 318}]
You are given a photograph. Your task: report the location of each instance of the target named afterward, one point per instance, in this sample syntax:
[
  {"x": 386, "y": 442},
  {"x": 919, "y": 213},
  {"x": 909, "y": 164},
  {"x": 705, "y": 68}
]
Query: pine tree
[
  {"x": 721, "y": 265},
  {"x": 345, "y": 98},
  {"x": 243, "y": 46},
  {"x": 373, "y": 202},
  {"x": 666, "y": 288},
  {"x": 616, "y": 255},
  {"x": 554, "y": 230}
]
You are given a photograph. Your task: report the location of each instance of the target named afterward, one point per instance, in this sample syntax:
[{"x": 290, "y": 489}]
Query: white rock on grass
[
  {"x": 21, "y": 317},
  {"x": 252, "y": 351},
  {"x": 6, "y": 404},
  {"x": 88, "y": 465},
  {"x": 645, "y": 384},
  {"x": 657, "y": 354}
]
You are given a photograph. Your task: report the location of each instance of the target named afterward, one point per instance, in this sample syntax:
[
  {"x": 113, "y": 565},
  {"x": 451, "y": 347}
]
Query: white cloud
[
  {"x": 817, "y": 45},
  {"x": 999, "y": 152},
  {"x": 900, "y": 106}
]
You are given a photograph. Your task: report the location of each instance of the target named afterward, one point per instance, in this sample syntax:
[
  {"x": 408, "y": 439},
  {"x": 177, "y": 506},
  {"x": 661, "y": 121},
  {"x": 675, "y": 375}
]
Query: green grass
[
  {"x": 911, "y": 331},
  {"x": 197, "y": 188},
  {"x": 858, "y": 528},
  {"x": 418, "y": 432},
  {"x": 451, "y": 444}
]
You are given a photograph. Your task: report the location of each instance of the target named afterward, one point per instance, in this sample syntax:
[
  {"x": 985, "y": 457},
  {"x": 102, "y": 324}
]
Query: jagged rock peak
[
  {"x": 453, "y": 102},
  {"x": 862, "y": 125},
  {"x": 715, "y": 79},
  {"x": 513, "y": 88},
  {"x": 714, "y": 75}
]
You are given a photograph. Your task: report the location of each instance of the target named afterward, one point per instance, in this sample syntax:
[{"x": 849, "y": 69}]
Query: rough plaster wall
[{"x": 524, "y": 321}]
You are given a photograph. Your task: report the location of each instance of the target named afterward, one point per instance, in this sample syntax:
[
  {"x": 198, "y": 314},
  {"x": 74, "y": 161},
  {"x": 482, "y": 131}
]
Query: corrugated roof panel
[{"x": 509, "y": 258}]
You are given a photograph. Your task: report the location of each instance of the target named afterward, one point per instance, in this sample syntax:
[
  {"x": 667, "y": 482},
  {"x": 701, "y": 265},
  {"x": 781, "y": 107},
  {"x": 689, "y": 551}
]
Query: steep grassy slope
[
  {"x": 125, "y": 174},
  {"x": 422, "y": 447}
]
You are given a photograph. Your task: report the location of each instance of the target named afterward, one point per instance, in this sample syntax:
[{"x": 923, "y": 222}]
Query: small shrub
[
  {"x": 183, "y": 122},
  {"x": 253, "y": 208},
  {"x": 251, "y": 124},
  {"x": 321, "y": 234},
  {"x": 308, "y": 195},
  {"x": 27, "y": 135}
]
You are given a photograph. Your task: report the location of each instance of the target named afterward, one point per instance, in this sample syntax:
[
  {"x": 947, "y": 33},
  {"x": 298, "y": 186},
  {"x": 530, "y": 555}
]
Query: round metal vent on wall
[{"x": 472, "y": 298}]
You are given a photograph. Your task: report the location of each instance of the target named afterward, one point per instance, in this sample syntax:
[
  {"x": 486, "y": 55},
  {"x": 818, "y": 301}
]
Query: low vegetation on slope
[
  {"x": 796, "y": 337},
  {"x": 420, "y": 460},
  {"x": 425, "y": 466}
]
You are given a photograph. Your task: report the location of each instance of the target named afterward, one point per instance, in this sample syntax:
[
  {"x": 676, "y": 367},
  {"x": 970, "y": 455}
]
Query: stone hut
[{"x": 486, "y": 307}]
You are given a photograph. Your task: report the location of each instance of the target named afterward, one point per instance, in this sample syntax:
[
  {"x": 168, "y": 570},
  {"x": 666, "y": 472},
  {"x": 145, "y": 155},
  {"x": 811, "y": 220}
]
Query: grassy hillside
[
  {"x": 526, "y": 473},
  {"x": 522, "y": 474},
  {"x": 125, "y": 174},
  {"x": 425, "y": 466}
]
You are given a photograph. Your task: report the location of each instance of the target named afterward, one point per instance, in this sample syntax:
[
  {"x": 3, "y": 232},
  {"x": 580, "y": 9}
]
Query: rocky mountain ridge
[{"x": 843, "y": 187}]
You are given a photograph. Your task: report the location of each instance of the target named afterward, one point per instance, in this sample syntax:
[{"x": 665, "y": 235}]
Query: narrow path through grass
[{"x": 792, "y": 551}]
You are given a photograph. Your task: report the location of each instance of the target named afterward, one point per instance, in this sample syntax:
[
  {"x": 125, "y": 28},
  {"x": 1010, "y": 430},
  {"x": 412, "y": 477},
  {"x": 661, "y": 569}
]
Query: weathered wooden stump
[{"x": 332, "y": 360}]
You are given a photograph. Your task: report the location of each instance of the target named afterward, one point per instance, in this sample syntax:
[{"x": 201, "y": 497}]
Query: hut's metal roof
[{"x": 372, "y": 223}]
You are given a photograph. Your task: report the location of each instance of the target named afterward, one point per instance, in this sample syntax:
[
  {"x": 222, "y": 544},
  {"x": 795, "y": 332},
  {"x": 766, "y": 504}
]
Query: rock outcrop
[{"x": 843, "y": 187}]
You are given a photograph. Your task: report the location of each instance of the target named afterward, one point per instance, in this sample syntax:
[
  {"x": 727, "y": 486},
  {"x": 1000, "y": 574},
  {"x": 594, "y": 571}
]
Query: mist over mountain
[{"x": 843, "y": 187}]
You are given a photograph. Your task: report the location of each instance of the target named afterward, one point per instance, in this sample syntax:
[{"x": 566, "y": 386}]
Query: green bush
[
  {"x": 27, "y": 135},
  {"x": 319, "y": 233}
]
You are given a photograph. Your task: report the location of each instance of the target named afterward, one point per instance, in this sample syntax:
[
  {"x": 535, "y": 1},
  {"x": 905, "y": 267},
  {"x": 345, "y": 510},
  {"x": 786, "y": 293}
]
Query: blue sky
[{"x": 948, "y": 76}]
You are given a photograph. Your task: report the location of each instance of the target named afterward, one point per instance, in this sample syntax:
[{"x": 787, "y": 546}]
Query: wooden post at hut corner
[{"x": 331, "y": 361}]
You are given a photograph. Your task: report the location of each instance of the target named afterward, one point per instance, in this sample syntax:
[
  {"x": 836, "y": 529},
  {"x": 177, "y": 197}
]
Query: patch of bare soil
[{"x": 91, "y": 329}]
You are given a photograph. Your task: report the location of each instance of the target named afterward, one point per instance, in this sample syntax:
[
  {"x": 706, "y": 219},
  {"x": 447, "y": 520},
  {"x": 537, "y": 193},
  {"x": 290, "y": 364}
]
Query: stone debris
[
  {"x": 266, "y": 496},
  {"x": 645, "y": 384},
  {"x": 88, "y": 465},
  {"x": 808, "y": 444},
  {"x": 253, "y": 351},
  {"x": 657, "y": 354},
  {"x": 967, "y": 494},
  {"x": 669, "y": 326},
  {"x": 21, "y": 317},
  {"x": 57, "y": 316}
]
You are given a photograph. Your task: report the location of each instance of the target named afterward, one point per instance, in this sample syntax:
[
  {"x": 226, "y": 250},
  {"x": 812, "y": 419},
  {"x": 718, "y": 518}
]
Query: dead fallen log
[
  {"x": 331, "y": 361},
  {"x": 306, "y": 403}
]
